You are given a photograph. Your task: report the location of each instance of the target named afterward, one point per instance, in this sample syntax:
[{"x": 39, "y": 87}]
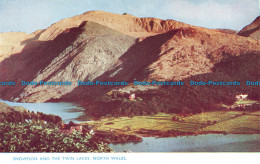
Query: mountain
[
  {"x": 110, "y": 47},
  {"x": 252, "y": 30},
  {"x": 14, "y": 42},
  {"x": 126, "y": 24},
  {"x": 87, "y": 50}
]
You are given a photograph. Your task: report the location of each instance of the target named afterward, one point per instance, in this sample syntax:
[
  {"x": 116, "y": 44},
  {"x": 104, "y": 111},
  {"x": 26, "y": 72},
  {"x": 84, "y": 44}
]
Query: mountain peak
[
  {"x": 252, "y": 30},
  {"x": 126, "y": 24},
  {"x": 95, "y": 29}
]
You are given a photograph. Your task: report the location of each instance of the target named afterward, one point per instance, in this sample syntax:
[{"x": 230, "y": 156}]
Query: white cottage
[{"x": 241, "y": 96}]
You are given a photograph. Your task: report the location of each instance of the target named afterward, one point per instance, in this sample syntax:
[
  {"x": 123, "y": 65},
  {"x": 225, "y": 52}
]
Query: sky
[{"x": 31, "y": 15}]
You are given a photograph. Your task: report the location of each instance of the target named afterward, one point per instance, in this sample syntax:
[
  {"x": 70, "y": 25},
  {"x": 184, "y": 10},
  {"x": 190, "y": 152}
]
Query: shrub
[{"x": 39, "y": 137}]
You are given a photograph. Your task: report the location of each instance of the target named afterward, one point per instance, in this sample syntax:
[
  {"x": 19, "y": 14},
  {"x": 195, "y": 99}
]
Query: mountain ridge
[
  {"x": 252, "y": 30},
  {"x": 79, "y": 49}
]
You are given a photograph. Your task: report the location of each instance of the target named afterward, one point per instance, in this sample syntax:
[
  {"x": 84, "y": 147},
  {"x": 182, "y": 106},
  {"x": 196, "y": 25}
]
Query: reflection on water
[
  {"x": 200, "y": 143},
  {"x": 67, "y": 111}
]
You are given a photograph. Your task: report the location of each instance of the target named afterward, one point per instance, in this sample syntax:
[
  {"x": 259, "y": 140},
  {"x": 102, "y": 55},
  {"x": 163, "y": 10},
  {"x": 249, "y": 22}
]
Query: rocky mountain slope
[
  {"x": 14, "y": 42},
  {"x": 227, "y": 31},
  {"x": 104, "y": 46},
  {"x": 252, "y": 30},
  {"x": 86, "y": 51},
  {"x": 126, "y": 24}
]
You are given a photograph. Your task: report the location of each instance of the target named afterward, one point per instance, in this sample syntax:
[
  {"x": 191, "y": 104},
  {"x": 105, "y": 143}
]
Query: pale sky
[{"x": 31, "y": 15}]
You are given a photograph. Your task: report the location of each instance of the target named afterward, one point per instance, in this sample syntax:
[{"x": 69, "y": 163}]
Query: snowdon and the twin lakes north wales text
[{"x": 124, "y": 83}]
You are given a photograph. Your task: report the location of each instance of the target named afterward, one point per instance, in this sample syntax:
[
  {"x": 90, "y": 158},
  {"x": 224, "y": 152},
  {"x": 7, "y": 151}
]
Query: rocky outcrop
[
  {"x": 252, "y": 30},
  {"x": 192, "y": 51}
]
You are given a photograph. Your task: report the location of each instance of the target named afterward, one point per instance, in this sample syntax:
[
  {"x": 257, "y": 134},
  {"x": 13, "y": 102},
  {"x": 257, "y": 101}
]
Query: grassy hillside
[{"x": 163, "y": 125}]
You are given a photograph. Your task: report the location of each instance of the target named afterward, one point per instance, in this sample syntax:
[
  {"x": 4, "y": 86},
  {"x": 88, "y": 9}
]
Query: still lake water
[
  {"x": 201, "y": 143},
  {"x": 67, "y": 111}
]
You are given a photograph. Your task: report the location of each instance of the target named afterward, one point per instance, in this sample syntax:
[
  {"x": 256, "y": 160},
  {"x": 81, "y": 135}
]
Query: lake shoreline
[
  {"x": 139, "y": 138},
  {"x": 199, "y": 143},
  {"x": 159, "y": 125},
  {"x": 162, "y": 125}
]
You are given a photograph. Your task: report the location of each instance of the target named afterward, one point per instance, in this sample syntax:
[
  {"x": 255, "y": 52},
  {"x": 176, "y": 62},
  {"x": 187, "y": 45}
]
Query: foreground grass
[{"x": 207, "y": 122}]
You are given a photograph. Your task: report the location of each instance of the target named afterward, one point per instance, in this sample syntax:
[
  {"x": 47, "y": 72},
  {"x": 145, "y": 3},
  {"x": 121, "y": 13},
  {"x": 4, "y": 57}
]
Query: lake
[
  {"x": 199, "y": 143},
  {"x": 67, "y": 111}
]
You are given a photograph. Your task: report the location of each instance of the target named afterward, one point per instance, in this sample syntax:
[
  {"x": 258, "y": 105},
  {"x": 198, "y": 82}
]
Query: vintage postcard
[{"x": 128, "y": 77}]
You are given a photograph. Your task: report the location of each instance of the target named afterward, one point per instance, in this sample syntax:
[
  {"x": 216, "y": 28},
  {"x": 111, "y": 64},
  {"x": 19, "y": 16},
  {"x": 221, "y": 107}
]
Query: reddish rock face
[
  {"x": 109, "y": 47},
  {"x": 252, "y": 30}
]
